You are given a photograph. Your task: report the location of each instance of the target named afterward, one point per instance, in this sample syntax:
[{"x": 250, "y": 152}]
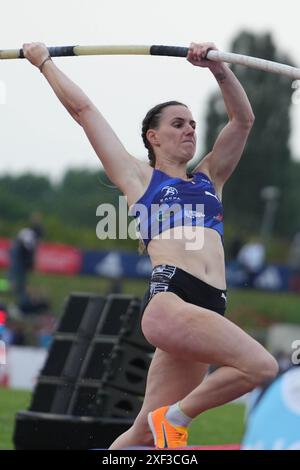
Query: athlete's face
[{"x": 176, "y": 136}]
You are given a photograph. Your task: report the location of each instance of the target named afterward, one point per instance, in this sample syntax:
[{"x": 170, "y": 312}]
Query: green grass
[
  {"x": 223, "y": 425},
  {"x": 58, "y": 288},
  {"x": 11, "y": 401},
  {"x": 259, "y": 309}
]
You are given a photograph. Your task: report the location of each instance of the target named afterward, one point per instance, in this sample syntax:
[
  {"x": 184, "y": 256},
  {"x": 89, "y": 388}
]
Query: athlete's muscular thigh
[
  {"x": 198, "y": 334},
  {"x": 165, "y": 320}
]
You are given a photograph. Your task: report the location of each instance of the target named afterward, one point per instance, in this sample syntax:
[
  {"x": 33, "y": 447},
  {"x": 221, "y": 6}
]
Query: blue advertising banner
[
  {"x": 114, "y": 264},
  {"x": 271, "y": 277}
]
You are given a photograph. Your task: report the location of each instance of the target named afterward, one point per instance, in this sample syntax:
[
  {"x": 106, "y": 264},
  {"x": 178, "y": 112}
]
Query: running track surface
[{"x": 215, "y": 447}]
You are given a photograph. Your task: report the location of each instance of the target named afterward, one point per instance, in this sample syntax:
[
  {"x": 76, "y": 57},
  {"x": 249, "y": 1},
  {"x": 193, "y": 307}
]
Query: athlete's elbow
[
  {"x": 250, "y": 119},
  {"x": 76, "y": 118},
  {"x": 73, "y": 114},
  {"x": 79, "y": 111},
  {"x": 83, "y": 107},
  {"x": 245, "y": 121}
]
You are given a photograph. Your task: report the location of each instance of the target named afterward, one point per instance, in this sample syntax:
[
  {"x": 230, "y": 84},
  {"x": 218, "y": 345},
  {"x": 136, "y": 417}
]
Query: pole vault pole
[{"x": 172, "y": 51}]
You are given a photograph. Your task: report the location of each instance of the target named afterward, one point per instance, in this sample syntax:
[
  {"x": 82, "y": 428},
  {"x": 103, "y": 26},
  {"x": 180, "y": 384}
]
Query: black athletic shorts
[{"x": 168, "y": 278}]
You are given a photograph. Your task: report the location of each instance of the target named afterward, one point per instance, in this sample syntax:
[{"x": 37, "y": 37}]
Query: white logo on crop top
[
  {"x": 170, "y": 191},
  {"x": 169, "y": 194},
  {"x": 192, "y": 214},
  {"x": 211, "y": 194}
]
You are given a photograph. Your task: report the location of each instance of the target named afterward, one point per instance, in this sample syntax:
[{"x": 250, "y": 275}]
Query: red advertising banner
[
  {"x": 4, "y": 252},
  {"x": 58, "y": 259},
  {"x": 51, "y": 258}
]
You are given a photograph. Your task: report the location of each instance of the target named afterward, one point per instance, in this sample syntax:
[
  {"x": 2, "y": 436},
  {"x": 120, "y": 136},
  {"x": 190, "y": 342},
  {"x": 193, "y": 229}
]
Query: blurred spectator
[
  {"x": 294, "y": 263},
  {"x": 22, "y": 260},
  {"x": 45, "y": 328},
  {"x": 11, "y": 332},
  {"x": 3, "y": 316},
  {"x": 252, "y": 258},
  {"x": 294, "y": 253},
  {"x": 234, "y": 248},
  {"x": 35, "y": 303}
]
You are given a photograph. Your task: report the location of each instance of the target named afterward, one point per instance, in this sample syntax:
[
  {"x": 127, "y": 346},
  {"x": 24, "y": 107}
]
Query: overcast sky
[{"x": 38, "y": 135}]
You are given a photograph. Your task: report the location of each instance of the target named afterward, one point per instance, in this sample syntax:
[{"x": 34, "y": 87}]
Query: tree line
[{"x": 68, "y": 208}]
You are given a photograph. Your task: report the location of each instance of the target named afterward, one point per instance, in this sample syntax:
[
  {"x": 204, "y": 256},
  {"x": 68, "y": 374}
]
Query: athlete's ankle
[{"x": 177, "y": 417}]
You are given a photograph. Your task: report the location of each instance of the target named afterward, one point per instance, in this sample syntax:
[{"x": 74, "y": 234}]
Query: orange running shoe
[{"x": 165, "y": 434}]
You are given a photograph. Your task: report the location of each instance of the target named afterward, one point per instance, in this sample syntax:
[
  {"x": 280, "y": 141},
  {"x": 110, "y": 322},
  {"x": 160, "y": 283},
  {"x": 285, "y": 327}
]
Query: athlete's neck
[{"x": 175, "y": 172}]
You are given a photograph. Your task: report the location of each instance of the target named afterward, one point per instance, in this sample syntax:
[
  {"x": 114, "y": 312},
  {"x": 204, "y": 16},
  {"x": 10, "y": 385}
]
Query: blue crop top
[{"x": 169, "y": 202}]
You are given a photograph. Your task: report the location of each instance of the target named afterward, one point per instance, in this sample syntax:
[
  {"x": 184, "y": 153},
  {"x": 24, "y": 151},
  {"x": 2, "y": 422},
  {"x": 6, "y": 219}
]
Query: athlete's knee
[
  {"x": 268, "y": 368},
  {"x": 263, "y": 369}
]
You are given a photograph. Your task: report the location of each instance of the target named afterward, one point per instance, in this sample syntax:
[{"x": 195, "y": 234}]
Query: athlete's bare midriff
[{"x": 197, "y": 250}]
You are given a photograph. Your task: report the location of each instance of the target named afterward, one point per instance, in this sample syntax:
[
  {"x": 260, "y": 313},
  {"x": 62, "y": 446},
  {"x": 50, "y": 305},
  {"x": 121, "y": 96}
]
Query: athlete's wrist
[{"x": 217, "y": 67}]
